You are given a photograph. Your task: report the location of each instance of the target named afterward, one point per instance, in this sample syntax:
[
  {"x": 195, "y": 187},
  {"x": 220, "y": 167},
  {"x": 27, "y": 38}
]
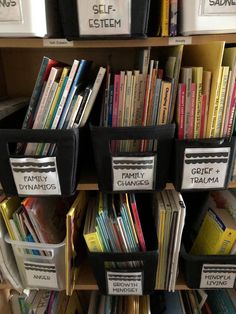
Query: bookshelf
[{"x": 20, "y": 58}]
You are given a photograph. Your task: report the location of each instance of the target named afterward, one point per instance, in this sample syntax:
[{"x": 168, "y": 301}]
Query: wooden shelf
[
  {"x": 114, "y": 43},
  {"x": 86, "y": 280}
]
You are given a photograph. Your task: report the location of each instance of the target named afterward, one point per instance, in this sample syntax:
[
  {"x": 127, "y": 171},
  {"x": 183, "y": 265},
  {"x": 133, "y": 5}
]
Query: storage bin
[
  {"x": 86, "y": 18},
  {"x": 23, "y": 175},
  {"x": 208, "y": 271},
  {"x": 203, "y": 164},
  {"x": 46, "y": 271},
  {"x": 207, "y": 17},
  {"x": 29, "y": 18},
  {"x": 131, "y": 273},
  {"x": 132, "y": 171}
]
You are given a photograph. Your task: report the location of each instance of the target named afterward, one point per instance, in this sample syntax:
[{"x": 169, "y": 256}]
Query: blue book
[
  {"x": 79, "y": 77},
  {"x": 173, "y": 303},
  {"x": 29, "y": 238}
]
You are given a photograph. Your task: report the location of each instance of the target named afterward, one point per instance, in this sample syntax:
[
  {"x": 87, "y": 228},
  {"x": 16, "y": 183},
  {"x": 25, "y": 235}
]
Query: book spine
[
  {"x": 92, "y": 242},
  {"x": 187, "y": 79},
  {"x": 181, "y": 101},
  {"x": 165, "y": 18},
  {"x": 197, "y": 78},
  {"x": 173, "y": 17},
  {"x": 231, "y": 112},
  {"x": 192, "y": 111},
  {"x": 165, "y": 103},
  {"x": 115, "y": 100},
  {"x": 203, "y": 116},
  {"x": 65, "y": 94}
]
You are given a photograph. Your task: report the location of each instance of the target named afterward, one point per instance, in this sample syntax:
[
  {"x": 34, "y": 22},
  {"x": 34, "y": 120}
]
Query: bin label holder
[
  {"x": 133, "y": 173},
  {"x": 36, "y": 176},
  {"x": 124, "y": 283},
  {"x": 205, "y": 168},
  {"x": 218, "y": 276},
  {"x": 41, "y": 274}
]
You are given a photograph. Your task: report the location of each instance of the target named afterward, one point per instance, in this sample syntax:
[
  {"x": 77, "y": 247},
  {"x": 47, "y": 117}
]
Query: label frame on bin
[
  {"x": 67, "y": 143},
  {"x": 120, "y": 278}
]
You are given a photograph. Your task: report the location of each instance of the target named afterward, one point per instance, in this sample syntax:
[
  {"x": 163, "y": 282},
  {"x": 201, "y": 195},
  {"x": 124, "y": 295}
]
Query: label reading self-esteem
[
  {"x": 36, "y": 176},
  {"x": 10, "y": 11},
  {"x": 109, "y": 17},
  {"x": 41, "y": 275},
  {"x": 218, "y": 7},
  {"x": 124, "y": 283},
  {"x": 218, "y": 276},
  {"x": 133, "y": 173},
  {"x": 205, "y": 168}
]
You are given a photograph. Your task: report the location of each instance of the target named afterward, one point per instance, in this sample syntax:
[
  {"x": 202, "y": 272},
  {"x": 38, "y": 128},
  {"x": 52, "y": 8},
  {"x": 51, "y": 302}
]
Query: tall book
[
  {"x": 197, "y": 79},
  {"x": 186, "y": 78}
]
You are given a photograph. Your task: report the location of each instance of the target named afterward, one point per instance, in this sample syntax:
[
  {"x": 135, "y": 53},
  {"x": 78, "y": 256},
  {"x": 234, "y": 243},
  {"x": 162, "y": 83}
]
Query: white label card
[
  {"x": 218, "y": 276},
  {"x": 10, "y": 11},
  {"x": 36, "y": 176},
  {"x": 133, "y": 173},
  {"x": 57, "y": 42},
  {"x": 106, "y": 17},
  {"x": 41, "y": 274},
  {"x": 205, "y": 168},
  {"x": 218, "y": 7},
  {"x": 172, "y": 41},
  {"x": 124, "y": 283}
]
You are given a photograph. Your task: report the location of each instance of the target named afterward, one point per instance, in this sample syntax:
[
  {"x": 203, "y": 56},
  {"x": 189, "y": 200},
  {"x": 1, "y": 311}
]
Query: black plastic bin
[
  {"x": 64, "y": 162},
  {"x": 106, "y": 162},
  {"x": 208, "y": 271},
  {"x": 203, "y": 164},
  {"x": 70, "y": 20}
]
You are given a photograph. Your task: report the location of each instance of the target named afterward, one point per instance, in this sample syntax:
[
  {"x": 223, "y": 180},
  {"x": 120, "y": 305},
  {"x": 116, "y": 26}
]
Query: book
[
  {"x": 181, "y": 111},
  {"x": 197, "y": 73},
  {"x": 164, "y": 103},
  {"x": 74, "y": 219},
  {"x": 220, "y": 227}
]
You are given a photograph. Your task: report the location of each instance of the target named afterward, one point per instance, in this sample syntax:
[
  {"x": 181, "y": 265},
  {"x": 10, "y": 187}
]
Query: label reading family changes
[
  {"x": 106, "y": 17},
  {"x": 41, "y": 274},
  {"x": 218, "y": 7},
  {"x": 205, "y": 168},
  {"x": 218, "y": 276},
  {"x": 133, "y": 173},
  {"x": 124, "y": 283},
  {"x": 10, "y": 11},
  {"x": 36, "y": 176}
]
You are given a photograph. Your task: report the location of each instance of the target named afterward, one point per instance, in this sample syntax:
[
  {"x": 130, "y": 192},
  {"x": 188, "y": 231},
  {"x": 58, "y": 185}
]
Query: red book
[
  {"x": 231, "y": 111},
  {"x": 115, "y": 100},
  {"x": 160, "y": 73},
  {"x": 181, "y": 111},
  {"x": 203, "y": 116},
  {"x": 192, "y": 111},
  {"x": 137, "y": 223}
]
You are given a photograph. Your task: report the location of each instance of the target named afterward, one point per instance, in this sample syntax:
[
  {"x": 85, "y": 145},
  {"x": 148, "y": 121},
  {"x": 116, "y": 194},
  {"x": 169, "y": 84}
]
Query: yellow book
[
  {"x": 221, "y": 100},
  {"x": 165, "y": 9},
  {"x": 73, "y": 222},
  {"x": 216, "y": 235},
  {"x": 164, "y": 102},
  {"x": 197, "y": 73},
  {"x": 74, "y": 304},
  {"x": 8, "y": 207},
  {"x": 93, "y": 242}
]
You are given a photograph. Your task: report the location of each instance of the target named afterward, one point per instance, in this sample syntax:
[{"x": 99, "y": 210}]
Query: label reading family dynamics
[
  {"x": 133, "y": 173},
  {"x": 10, "y": 11},
  {"x": 218, "y": 7},
  {"x": 106, "y": 17},
  {"x": 41, "y": 274},
  {"x": 218, "y": 276},
  {"x": 124, "y": 283},
  {"x": 205, "y": 168},
  {"x": 36, "y": 176}
]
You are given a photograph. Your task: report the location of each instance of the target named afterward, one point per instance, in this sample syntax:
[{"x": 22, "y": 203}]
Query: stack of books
[
  {"x": 143, "y": 97},
  {"x": 169, "y": 213},
  {"x": 112, "y": 224},
  {"x": 197, "y": 117},
  {"x": 62, "y": 98}
]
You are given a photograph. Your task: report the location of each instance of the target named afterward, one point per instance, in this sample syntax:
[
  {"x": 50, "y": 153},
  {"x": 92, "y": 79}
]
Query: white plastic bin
[
  {"x": 40, "y": 271},
  {"x": 207, "y": 17},
  {"x": 27, "y": 18}
]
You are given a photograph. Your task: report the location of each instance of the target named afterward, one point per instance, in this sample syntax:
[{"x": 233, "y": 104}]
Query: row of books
[
  {"x": 62, "y": 98},
  {"x": 113, "y": 225},
  {"x": 218, "y": 221},
  {"x": 197, "y": 118},
  {"x": 169, "y": 213},
  {"x": 46, "y": 302}
]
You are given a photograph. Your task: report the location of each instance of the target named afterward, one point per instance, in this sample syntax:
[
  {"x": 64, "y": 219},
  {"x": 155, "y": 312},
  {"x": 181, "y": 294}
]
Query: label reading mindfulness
[
  {"x": 36, "y": 176},
  {"x": 205, "y": 168},
  {"x": 109, "y": 17},
  {"x": 218, "y": 276},
  {"x": 133, "y": 173},
  {"x": 218, "y": 7},
  {"x": 41, "y": 275},
  {"x": 124, "y": 283},
  {"x": 10, "y": 11}
]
